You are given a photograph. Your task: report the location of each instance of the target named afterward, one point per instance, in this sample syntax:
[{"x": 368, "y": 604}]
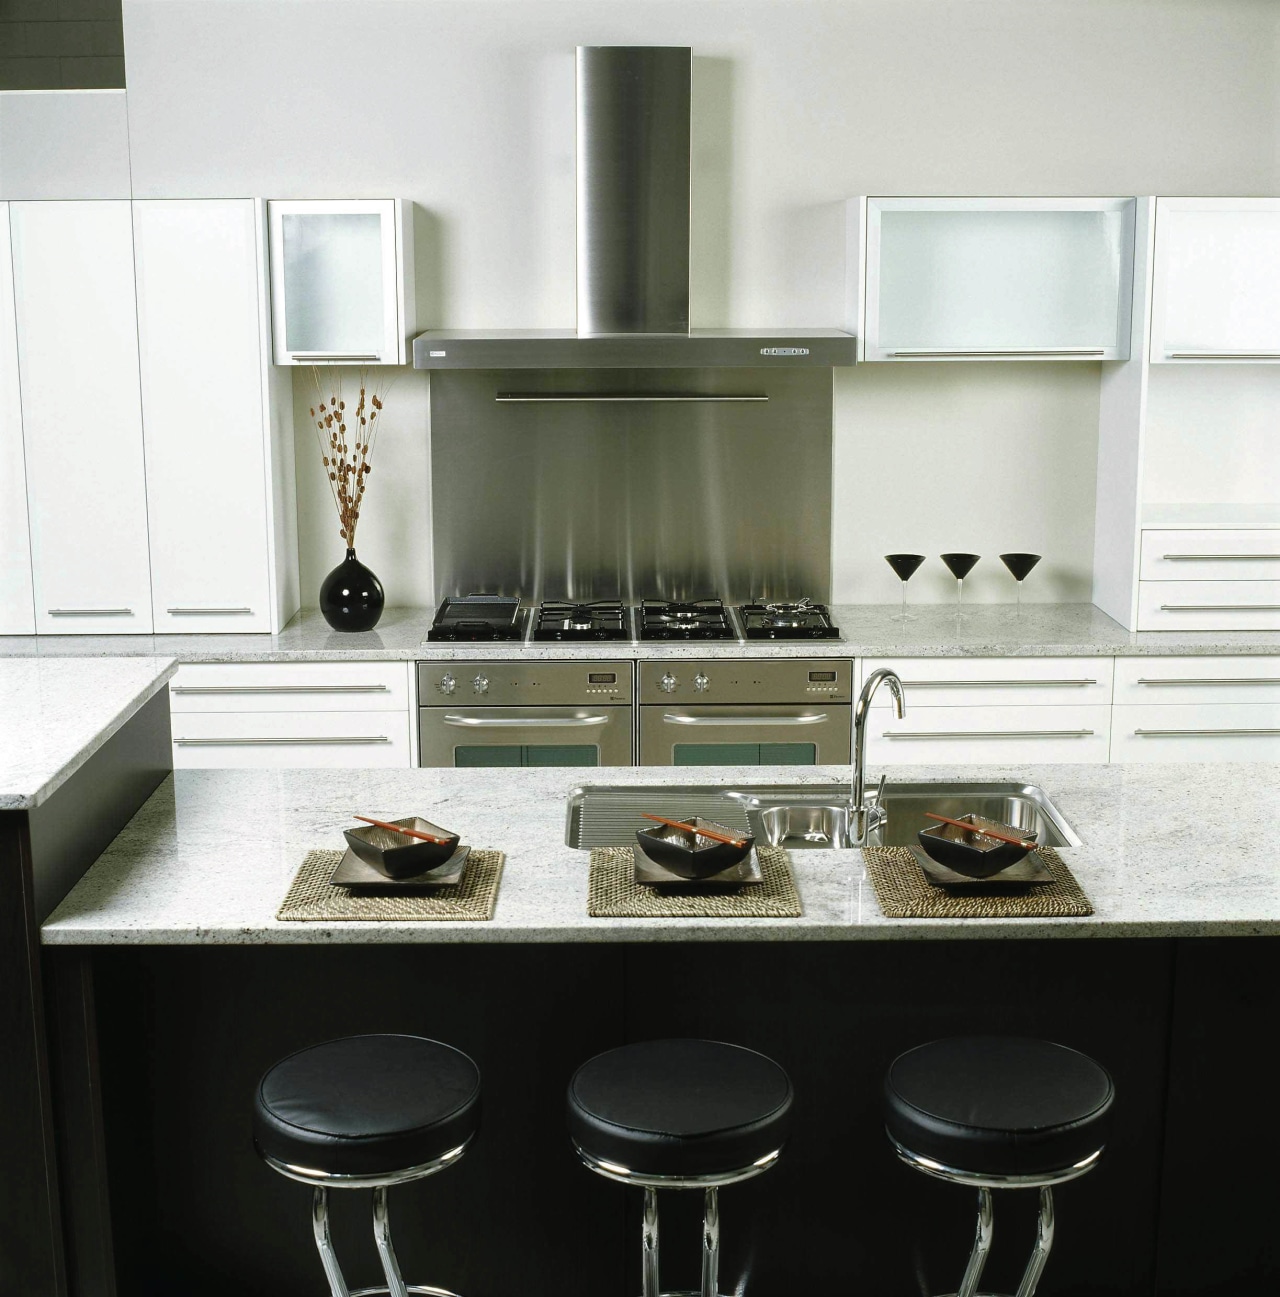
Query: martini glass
[
  {"x": 1019, "y": 566},
  {"x": 904, "y": 568},
  {"x": 961, "y": 565}
]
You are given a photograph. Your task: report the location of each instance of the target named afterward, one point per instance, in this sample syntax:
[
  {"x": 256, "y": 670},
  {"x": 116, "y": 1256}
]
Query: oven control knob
[
  {"x": 668, "y": 683},
  {"x": 701, "y": 683},
  {"x": 481, "y": 684},
  {"x": 447, "y": 684}
]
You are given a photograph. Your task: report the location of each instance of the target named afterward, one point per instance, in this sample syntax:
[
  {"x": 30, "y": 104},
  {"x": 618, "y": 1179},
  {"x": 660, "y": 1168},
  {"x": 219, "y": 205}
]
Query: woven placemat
[
  {"x": 613, "y": 892},
  {"x": 311, "y": 897},
  {"x": 905, "y": 891}
]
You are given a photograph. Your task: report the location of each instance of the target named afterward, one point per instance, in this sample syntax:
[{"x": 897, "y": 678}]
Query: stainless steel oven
[
  {"x": 744, "y": 713},
  {"x": 524, "y": 713}
]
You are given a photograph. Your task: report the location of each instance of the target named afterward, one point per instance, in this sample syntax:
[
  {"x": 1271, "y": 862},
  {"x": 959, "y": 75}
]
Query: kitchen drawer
[
  {"x": 1211, "y": 555},
  {"x": 1209, "y": 605},
  {"x": 982, "y": 682},
  {"x": 1240, "y": 679},
  {"x": 989, "y": 735},
  {"x": 243, "y": 740},
  {"x": 1191, "y": 732},
  {"x": 291, "y": 687}
]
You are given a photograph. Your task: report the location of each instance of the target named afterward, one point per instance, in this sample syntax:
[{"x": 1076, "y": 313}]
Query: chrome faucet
[{"x": 863, "y": 818}]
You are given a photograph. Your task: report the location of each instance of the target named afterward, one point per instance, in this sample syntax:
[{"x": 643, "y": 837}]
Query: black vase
[{"x": 351, "y": 597}]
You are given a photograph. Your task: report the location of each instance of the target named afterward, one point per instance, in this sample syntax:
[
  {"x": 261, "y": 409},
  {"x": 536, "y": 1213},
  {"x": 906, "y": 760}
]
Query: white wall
[{"x": 467, "y": 108}]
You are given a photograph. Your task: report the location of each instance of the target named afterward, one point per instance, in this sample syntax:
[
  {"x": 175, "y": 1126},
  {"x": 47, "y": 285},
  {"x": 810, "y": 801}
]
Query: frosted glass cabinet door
[
  {"x": 82, "y": 415},
  {"x": 1216, "y": 292},
  {"x": 335, "y": 295},
  {"x": 998, "y": 279},
  {"x": 17, "y": 610}
]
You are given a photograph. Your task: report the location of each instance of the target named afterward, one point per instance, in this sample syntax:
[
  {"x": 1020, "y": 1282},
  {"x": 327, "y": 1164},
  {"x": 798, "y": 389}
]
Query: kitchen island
[{"x": 199, "y": 988}]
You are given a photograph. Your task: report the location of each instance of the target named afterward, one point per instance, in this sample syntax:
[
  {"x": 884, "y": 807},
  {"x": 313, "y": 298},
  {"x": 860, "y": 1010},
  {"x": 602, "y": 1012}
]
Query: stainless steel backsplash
[{"x": 599, "y": 499}]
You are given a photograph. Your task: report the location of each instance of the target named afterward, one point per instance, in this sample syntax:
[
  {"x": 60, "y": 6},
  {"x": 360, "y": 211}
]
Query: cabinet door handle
[
  {"x": 670, "y": 398},
  {"x": 1187, "y": 558},
  {"x": 811, "y": 718},
  {"x": 524, "y": 722},
  {"x": 995, "y": 684},
  {"x": 987, "y": 734},
  {"x": 90, "y": 612},
  {"x": 205, "y": 612},
  {"x": 251, "y": 742},
  {"x": 1146, "y": 734},
  {"x": 1220, "y": 607},
  {"x": 1222, "y": 355},
  {"x": 1041, "y": 352},
  {"x": 332, "y": 357},
  {"x": 1211, "y": 680},
  {"x": 279, "y": 689}
]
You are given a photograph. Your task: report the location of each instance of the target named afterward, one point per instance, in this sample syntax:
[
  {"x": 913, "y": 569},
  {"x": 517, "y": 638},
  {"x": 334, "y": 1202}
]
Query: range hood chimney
[{"x": 633, "y": 150}]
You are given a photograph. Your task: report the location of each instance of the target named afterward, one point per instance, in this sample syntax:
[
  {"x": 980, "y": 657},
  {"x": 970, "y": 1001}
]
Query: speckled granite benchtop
[
  {"x": 1185, "y": 850},
  {"x": 990, "y": 630},
  {"x": 55, "y": 713}
]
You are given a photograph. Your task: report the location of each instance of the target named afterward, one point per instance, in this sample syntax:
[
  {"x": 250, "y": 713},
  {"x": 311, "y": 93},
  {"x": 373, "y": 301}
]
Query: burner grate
[
  {"x": 799, "y": 619},
  {"x": 689, "y": 619},
  {"x": 601, "y": 619}
]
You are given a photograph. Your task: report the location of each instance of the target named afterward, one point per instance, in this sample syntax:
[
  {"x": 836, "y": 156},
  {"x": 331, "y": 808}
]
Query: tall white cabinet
[
  {"x": 219, "y": 475},
  {"x": 17, "y": 606},
  {"x": 81, "y": 415}
]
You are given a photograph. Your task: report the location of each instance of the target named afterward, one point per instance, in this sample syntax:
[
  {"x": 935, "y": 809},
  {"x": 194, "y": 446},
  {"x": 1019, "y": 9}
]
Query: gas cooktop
[
  {"x": 695, "y": 619},
  {"x": 476, "y": 617},
  {"x": 599, "y": 620},
  {"x": 801, "y": 619}
]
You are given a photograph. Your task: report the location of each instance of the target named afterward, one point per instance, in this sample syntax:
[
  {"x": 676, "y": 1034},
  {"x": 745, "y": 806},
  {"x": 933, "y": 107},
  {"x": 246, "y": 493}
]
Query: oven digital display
[
  {"x": 822, "y": 677},
  {"x": 602, "y": 677}
]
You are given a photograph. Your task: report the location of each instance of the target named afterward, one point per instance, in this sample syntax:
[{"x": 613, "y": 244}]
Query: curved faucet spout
[{"x": 861, "y": 818}]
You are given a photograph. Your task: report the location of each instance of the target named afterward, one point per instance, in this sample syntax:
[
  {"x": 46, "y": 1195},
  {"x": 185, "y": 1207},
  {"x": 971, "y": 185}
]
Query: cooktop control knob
[
  {"x": 447, "y": 684},
  {"x": 700, "y": 683},
  {"x": 481, "y": 684},
  {"x": 668, "y": 683}
]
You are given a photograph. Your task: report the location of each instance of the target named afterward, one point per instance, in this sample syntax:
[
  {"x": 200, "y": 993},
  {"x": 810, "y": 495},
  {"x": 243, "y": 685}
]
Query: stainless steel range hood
[{"x": 633, "y": 151}]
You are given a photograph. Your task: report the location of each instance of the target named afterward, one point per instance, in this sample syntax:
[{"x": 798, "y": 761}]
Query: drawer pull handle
[
  {"x": 1026, "y": 351},
  {"x": 628, "y": 398},
  {"x": 90, "y": 612},
  {"x": 995, "y": 684},
  {"x": 987, "y": 734},
  {"x": 1209, "y": 680},
  {"x": 811, "y": 718},
  {"x": 1146, "y": 734},
  {"x": 251, "y": 742},
  {"x": 524, "y": 722},
  {"x": 333, "y": 357},
  {"x": 205, "y": 612},
  {"x": 280, "y": 689},
  {"x": 1220, "y": 607},
  {"x": 1188, "y": 558},
  {"x": 1223, "y": 355}
]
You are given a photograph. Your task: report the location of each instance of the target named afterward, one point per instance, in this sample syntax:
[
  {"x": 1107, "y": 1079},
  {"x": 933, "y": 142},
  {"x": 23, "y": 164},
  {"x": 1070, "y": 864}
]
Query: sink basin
[{"x": 808, "y": 816}]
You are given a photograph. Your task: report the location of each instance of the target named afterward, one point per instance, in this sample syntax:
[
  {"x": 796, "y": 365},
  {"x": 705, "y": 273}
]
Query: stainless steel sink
[{"x": 808, "y": 816}]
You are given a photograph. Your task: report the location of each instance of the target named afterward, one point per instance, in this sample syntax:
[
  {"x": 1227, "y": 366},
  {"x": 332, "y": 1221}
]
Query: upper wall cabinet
[
  {"x": 994, "y": 278},
  {"x": 17, "y": 608},
  {"x": 1216, "y": 291},
  {"x": 342, "y": 287}
]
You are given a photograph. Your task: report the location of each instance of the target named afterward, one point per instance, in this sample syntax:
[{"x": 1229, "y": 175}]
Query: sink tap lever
[{"x": 863, "y": 817}]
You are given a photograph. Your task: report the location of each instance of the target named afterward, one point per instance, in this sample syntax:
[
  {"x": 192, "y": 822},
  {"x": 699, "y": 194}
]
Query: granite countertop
[
  {"x": 209, "y": 857},
  {"x": 55, "y": 713},
  {"x": 869, "y": 630}
]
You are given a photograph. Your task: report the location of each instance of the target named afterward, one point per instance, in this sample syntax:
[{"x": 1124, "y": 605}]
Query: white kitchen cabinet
[
  {"x": 1196, "y": 732},
  {"x": 218, "y": 441},
  {"x": 995, "y": 735},
  {"x": 81, "y": 415},
  {"x": 290, "y": 687},
  {"x": 17, "y": 606},
  {"x": 995, "y": 278},
  {"x": 342, "y": 283},
  {"x": 1209, "y": 605},
  {"x": 987, "y": 682},
  {"x": 1216, "y": 291},
  {"x": 1211, "y": 554}
]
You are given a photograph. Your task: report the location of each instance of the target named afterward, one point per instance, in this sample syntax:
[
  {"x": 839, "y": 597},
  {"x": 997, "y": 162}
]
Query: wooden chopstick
[
  {"x": 986, "y": 833},
  {"x": 396, "y": 828},
  {"x": 702, "y": 833}
]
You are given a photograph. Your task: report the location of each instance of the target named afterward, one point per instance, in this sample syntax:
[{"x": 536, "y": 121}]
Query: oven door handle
[
  {"x": 524, "y": 722},
  {"x": 809, "y": 718}
]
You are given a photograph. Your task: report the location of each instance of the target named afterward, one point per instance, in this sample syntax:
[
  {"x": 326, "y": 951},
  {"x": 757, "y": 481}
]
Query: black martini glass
[
  {"x": 1019, "y": 566},
  {"x": 961, "y": 565},
  {"x": 904, "y": 568}
]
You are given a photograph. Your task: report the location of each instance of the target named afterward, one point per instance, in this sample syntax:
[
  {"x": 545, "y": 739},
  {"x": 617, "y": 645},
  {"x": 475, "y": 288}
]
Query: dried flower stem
[{"x": 346, "y": 441}]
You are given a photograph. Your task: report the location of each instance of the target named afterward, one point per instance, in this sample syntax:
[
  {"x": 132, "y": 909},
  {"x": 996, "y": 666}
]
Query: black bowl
[
  {"x": 685, "y": 852},
  {"x": 400, "y": 857},
  {"x": 969, "y": 853}
]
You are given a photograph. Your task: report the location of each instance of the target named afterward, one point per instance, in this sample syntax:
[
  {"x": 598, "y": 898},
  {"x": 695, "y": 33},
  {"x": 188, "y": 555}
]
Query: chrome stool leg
[
  {"x": 1044, "y": 1243},
  {"x": 981, "y": 1246},
  {"x": 649, "y": 1244},
  {"x": 324, "y": 1244},
  {"x": 711, "y": 1243},
  {"x": 382, "y": 1237}
]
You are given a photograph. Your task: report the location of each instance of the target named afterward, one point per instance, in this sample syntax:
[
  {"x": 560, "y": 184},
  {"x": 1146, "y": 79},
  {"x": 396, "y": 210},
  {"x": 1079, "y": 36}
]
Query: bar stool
[
  {"x": 366, "y": 1112},
  {"x": 999, "y": 1112},
  {"x": 680, "y": 1114}
]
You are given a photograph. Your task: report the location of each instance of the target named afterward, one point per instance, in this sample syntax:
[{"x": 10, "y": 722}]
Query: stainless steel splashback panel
[
  {"x": 633, "y": 189},
  {"x": 625, "y": 499}
]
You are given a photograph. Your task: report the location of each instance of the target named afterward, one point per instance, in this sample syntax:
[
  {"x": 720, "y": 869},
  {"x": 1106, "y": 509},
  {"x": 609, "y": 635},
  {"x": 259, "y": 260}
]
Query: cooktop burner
[
  {"x": 474, "y": 617},
  {"x": 693, "y": 619},
  {"x": 801, "y": 619},
  {"x": 601, "y": 620}
]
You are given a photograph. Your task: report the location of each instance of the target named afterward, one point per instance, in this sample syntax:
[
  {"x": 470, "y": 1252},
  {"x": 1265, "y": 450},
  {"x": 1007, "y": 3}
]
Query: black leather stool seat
[
  {"x": 998, "y": 1105},
  {"x": 367, "y": 1105},
  {"x": 680, "y": 1107}
]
